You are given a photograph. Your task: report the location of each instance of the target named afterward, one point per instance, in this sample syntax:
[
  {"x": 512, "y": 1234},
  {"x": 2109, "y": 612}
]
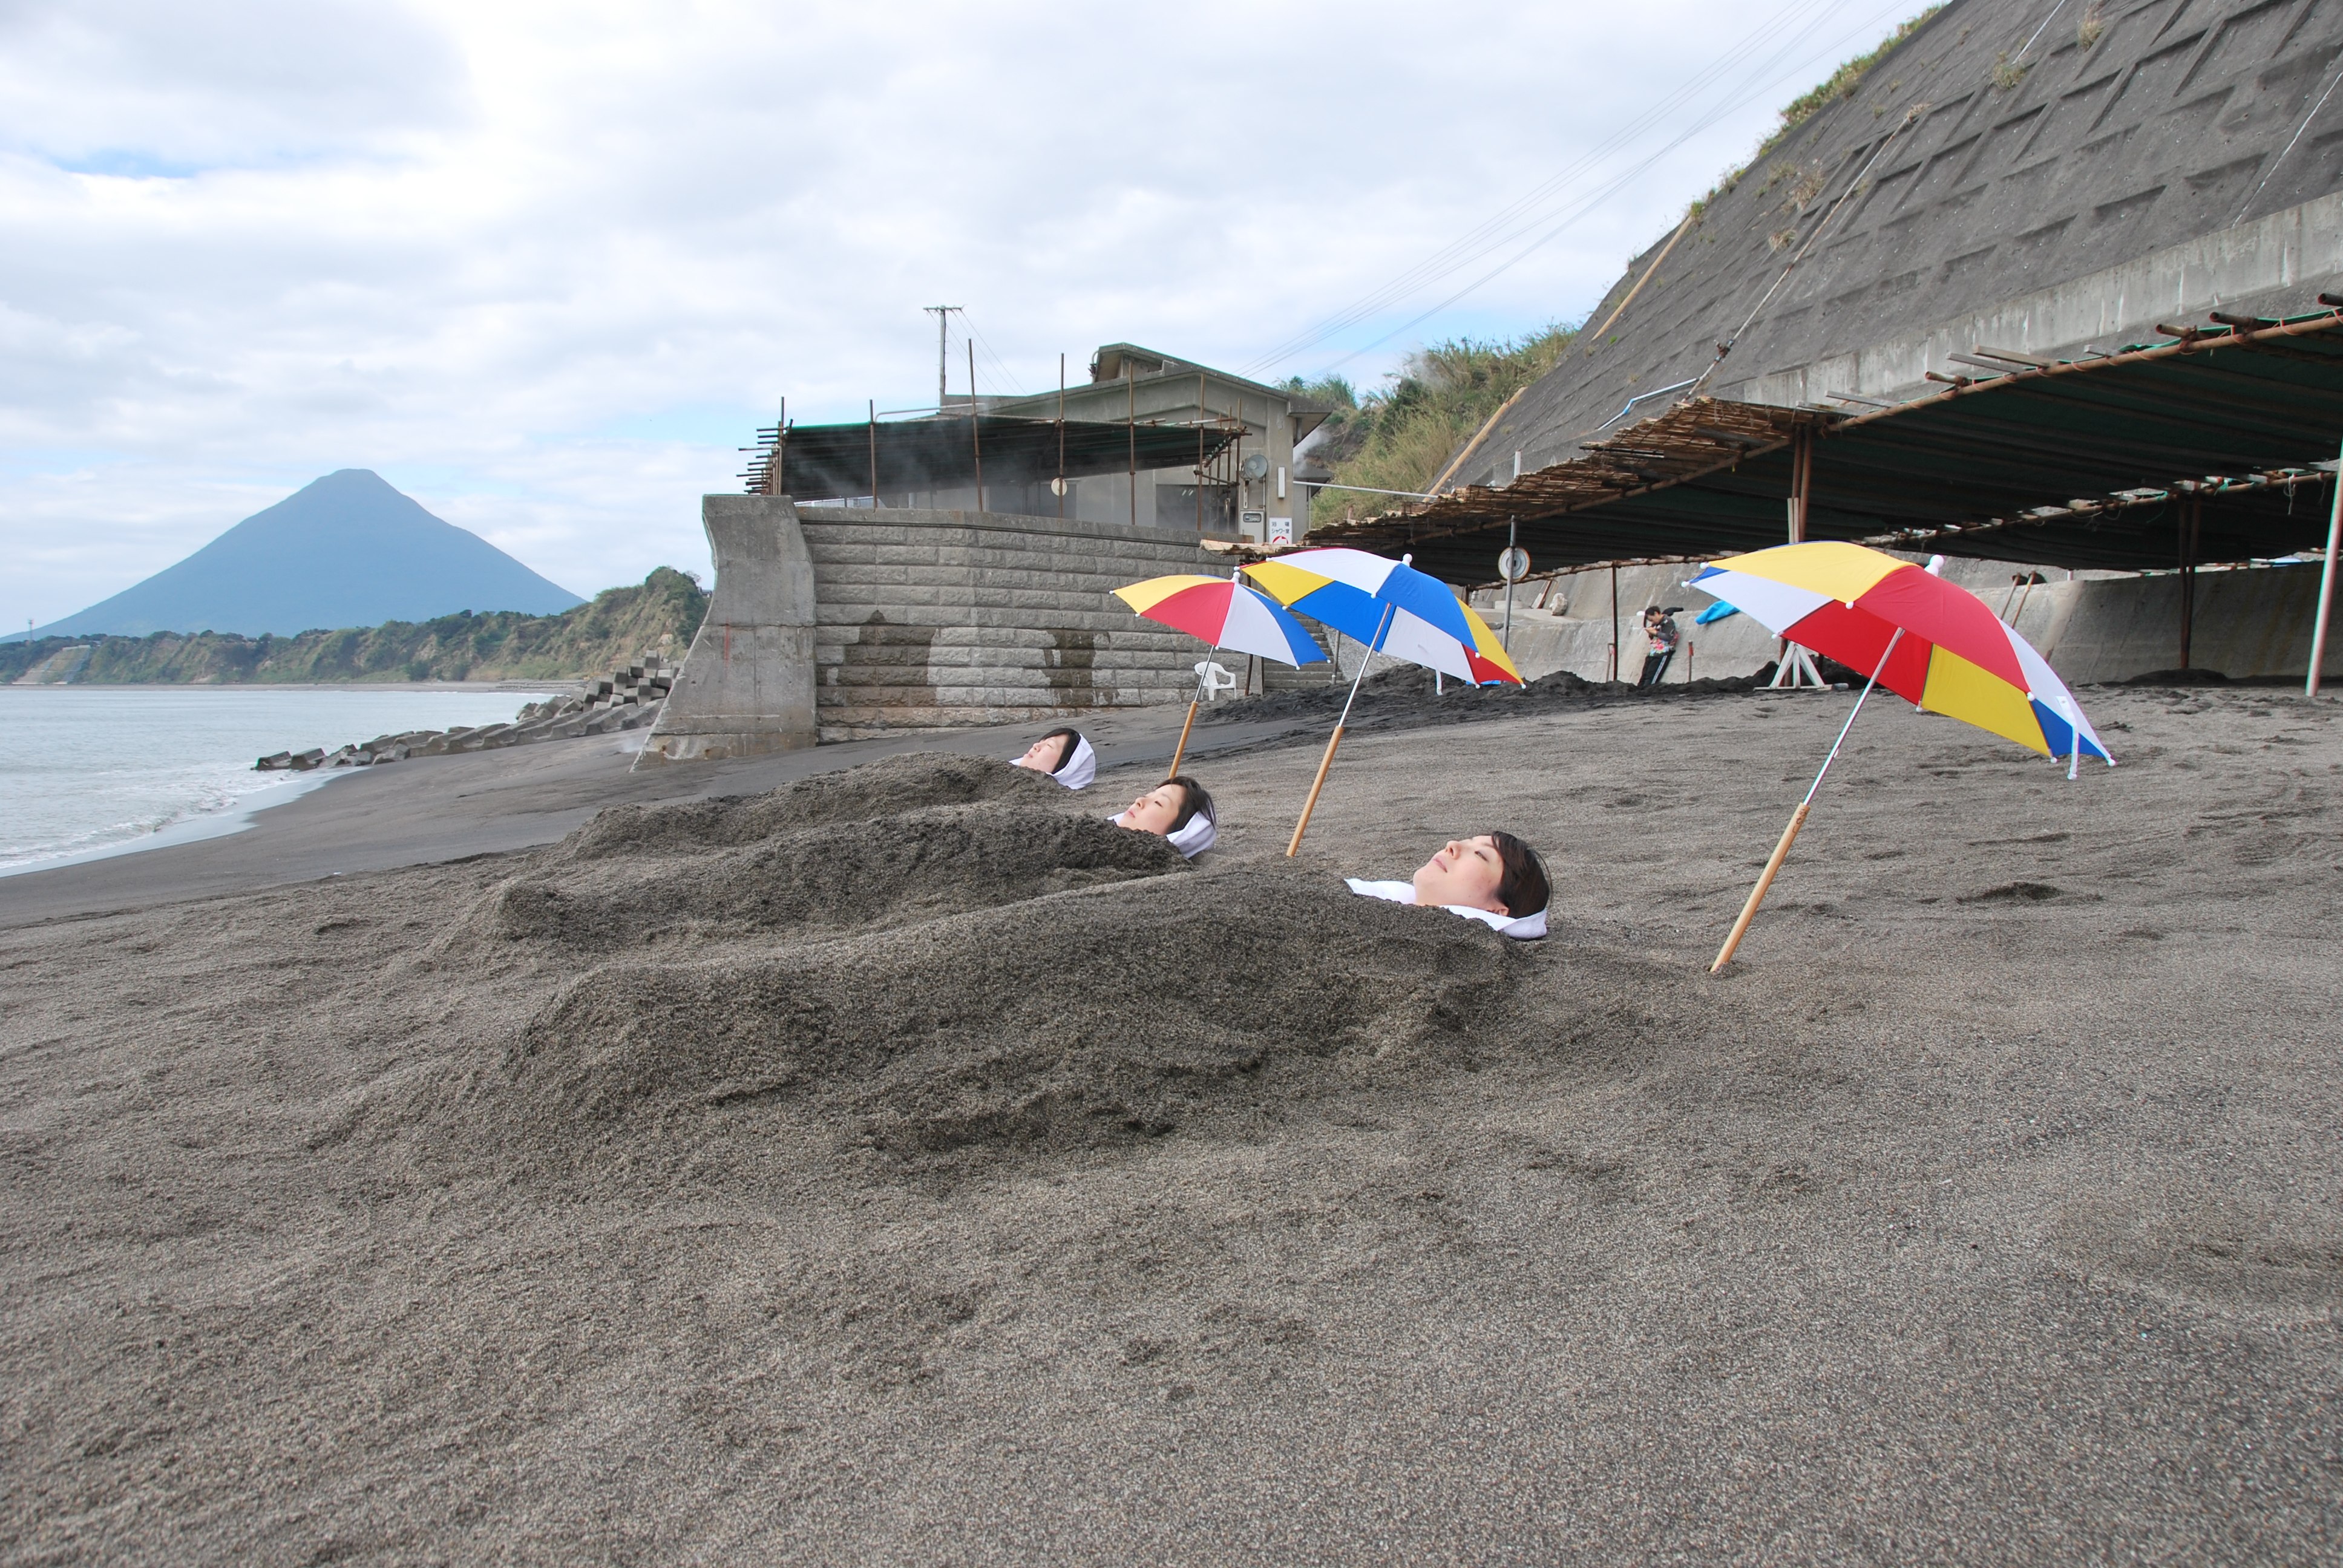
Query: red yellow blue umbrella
[
  {"x": 1227, "y": 614},
  {"x": 1393, "y": 609},
  {"x": 1921, "y": 637}
]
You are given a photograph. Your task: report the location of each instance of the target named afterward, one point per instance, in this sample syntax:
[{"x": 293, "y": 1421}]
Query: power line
[{"x": 1523, "y": 217}]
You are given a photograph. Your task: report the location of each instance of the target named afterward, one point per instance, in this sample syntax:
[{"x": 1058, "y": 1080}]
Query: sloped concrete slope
[{"x": 2163, "y": 161}]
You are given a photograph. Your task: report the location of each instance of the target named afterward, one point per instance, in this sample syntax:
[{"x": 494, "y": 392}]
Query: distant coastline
[{"x": 484, "y": 651}]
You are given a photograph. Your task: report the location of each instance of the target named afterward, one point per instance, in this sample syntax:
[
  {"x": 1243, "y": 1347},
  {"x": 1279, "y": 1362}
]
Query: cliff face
[{"x": 619, "y": 626}]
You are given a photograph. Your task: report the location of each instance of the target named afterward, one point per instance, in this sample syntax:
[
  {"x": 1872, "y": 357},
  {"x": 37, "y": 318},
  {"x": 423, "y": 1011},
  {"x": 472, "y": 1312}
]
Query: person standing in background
[{"x": 1660, "y": 631}]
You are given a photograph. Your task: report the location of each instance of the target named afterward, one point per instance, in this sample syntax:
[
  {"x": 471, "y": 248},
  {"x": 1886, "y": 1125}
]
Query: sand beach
[{"x": 512, "y": 1159}]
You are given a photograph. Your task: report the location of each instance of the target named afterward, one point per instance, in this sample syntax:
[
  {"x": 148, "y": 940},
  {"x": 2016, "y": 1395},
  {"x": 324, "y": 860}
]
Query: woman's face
[
  {"x": 1044, "y": 755},
  {"x": 1155, "y": 811},
  {"x": 1466, "y": 871}
]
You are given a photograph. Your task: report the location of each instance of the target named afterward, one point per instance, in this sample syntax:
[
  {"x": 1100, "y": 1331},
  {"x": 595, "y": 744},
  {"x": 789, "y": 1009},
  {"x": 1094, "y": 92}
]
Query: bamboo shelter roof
[
  {"x": 2081, "y": 464},
  {"x": 827, "y": 462}
]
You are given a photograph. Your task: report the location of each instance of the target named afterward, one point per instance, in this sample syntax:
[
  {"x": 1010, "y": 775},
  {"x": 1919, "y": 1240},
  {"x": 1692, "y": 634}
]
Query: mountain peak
[{"x": 348, "y": 549}]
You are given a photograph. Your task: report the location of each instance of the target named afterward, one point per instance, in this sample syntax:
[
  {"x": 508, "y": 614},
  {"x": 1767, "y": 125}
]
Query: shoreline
[{"x": 550, "y": 684}]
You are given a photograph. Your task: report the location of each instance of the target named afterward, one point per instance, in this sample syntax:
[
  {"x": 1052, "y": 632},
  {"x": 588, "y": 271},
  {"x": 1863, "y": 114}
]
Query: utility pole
[{"x": 943, "y": 313}]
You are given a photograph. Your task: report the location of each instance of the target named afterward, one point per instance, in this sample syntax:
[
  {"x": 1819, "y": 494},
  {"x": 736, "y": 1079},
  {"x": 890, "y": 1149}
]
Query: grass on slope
[{"x": 1402, "y": 438}]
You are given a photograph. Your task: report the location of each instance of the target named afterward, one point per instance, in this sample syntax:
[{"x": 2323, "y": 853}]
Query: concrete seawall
[
  {"x": 836, "y": 624},
  {"x": 926, "y": 618},
  {"x": 2253, "y": 622}
]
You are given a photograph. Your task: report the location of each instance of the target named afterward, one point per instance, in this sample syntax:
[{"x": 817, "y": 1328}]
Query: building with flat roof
[{"x": 1238, "y": 482}]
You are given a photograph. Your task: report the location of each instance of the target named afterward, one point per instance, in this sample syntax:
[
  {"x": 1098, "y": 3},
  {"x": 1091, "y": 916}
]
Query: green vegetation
[
  {"x": 1838, "y": 87},
  {"x": 1400, "y": 439},
  {"x": 618, "y": 627}
]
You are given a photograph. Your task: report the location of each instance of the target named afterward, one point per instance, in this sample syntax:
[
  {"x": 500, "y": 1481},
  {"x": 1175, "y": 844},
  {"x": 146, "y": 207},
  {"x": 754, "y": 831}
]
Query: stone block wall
[{"x": 929, "y": 618}]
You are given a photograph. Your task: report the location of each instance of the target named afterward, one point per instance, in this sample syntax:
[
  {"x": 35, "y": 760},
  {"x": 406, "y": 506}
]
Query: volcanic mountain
[{"x": 345, "y": 550}]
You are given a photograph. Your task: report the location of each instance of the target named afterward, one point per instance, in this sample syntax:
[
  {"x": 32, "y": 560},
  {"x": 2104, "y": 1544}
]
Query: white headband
[
  {"x": 1196, "y": 837},
  {"x": 1080, "y": 766},
  {"x": 1191, "y": 840}
]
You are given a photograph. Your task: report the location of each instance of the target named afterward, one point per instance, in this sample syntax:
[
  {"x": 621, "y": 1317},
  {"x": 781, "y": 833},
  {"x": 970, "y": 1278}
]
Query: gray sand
[{"x": 676, "y": 1193}]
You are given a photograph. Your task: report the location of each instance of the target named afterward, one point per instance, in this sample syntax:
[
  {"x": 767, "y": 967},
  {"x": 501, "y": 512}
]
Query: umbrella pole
[
  {"x": 1366, "y": 656},
  {"x": 1180, "y": 751},
  {"x": 1798, "y": 817}
]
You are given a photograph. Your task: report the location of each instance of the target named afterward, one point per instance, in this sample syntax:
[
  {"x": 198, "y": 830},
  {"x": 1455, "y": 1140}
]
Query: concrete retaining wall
[
  {"x": 841, "y": 623},
  {"x": 2254, "y": 622},
  {"x": 926, "y": 618}
]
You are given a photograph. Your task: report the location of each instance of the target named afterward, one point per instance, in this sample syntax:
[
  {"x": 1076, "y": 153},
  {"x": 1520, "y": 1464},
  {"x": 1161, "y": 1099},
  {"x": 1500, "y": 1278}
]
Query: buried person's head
[
  {"x": 1180, "y": 809},
  {"x": 1065, "y": 755},
  {"x": 1493, "y": 871},
  {"x": 1493, "y": 877}
]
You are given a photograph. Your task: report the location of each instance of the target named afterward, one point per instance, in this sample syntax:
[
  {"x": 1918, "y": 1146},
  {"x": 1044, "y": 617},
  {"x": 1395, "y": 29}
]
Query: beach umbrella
[
  {"x": 1924, "y": 639},
  {"x": 1392, "y": 608},
  {"x": 1228, "y": 615}
]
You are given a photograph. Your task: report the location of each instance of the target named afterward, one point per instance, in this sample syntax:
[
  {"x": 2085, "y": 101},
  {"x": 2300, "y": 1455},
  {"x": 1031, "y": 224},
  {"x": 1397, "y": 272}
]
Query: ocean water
[{"x": 87, "y": 770}]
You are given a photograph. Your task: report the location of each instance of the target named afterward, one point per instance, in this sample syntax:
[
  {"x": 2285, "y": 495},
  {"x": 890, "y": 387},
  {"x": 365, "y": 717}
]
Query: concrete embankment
[{"x": 2249, "y": 623}]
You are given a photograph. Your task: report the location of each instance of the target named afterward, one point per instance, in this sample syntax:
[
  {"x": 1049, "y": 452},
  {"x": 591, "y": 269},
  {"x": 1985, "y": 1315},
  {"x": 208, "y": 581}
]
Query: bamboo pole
[
  {"x": 1180, "y": 751},
  {"x": 1798, "y": 817},
  {"x": 1366, "y": 656},
  {"x": 1316, "y": 784}
]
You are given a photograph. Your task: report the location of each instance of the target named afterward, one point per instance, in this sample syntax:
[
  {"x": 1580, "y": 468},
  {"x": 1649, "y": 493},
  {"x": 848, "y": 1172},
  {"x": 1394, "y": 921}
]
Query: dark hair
[
  {"x": 1523, "y": 889},
  {"x": 1066, "y": 752},
  {"x": 1194, "y": 801}
]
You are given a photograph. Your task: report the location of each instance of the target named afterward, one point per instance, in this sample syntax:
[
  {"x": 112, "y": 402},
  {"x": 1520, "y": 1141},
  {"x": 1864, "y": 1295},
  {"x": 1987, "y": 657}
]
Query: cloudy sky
[{"x": 545, "y": 268}]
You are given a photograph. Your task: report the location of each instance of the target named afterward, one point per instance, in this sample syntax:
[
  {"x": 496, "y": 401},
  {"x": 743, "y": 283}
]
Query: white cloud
[{"x": 545, "y": 268}]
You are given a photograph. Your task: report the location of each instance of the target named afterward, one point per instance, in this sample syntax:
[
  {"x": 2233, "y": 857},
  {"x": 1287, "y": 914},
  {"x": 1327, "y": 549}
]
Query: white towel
[
  {"x": 1195, "y": 837},
  {"x": 1524, "y": 928},
  {"x": 1191, "y": 840},
  {"x": 1080, "y": 766}
]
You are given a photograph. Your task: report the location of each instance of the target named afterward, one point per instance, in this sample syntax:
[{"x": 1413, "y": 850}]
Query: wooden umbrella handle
[
  {"x": 1764, "y": 880},
  {"x": 1316, "y": 785},
  {"x": 1181, "y": 749}
]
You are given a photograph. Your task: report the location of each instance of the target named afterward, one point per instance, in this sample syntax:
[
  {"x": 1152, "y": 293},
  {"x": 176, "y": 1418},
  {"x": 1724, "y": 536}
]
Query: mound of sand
[
  {"x": 915, "y": 958},
  {"x": 908, "y": 839},
  {"x": 1409, "y": 698}
]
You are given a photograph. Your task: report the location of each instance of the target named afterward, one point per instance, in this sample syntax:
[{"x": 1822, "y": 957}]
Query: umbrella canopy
[
  {"x": 1953, "y": 656},
  {"x": 1391, "y": 608},
  {"x": 1226, "y": 614}
]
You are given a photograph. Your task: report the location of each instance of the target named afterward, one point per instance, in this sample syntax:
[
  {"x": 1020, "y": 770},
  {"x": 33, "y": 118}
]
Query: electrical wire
[
  {"x": 1494, "y": 235},
  {"x": 1474, "y": 242}
]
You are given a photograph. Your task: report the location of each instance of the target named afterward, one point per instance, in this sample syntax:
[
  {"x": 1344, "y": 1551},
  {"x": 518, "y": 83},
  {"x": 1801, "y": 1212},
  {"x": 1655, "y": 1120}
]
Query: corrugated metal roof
[{"x": 827, "y": 462}]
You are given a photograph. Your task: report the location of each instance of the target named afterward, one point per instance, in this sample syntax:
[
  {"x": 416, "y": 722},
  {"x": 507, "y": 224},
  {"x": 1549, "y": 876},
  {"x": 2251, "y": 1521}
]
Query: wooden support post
[
  {"x": 1614, "y": 623},
  {"x": 975, "y": 432},
  {"x": 2191, "y": 516},
  {"x": 1802, "y": 480}
]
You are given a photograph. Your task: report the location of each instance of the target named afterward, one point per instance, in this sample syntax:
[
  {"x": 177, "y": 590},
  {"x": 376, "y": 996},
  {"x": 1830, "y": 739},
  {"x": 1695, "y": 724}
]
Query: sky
[{"x": 547, "y": 267}]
